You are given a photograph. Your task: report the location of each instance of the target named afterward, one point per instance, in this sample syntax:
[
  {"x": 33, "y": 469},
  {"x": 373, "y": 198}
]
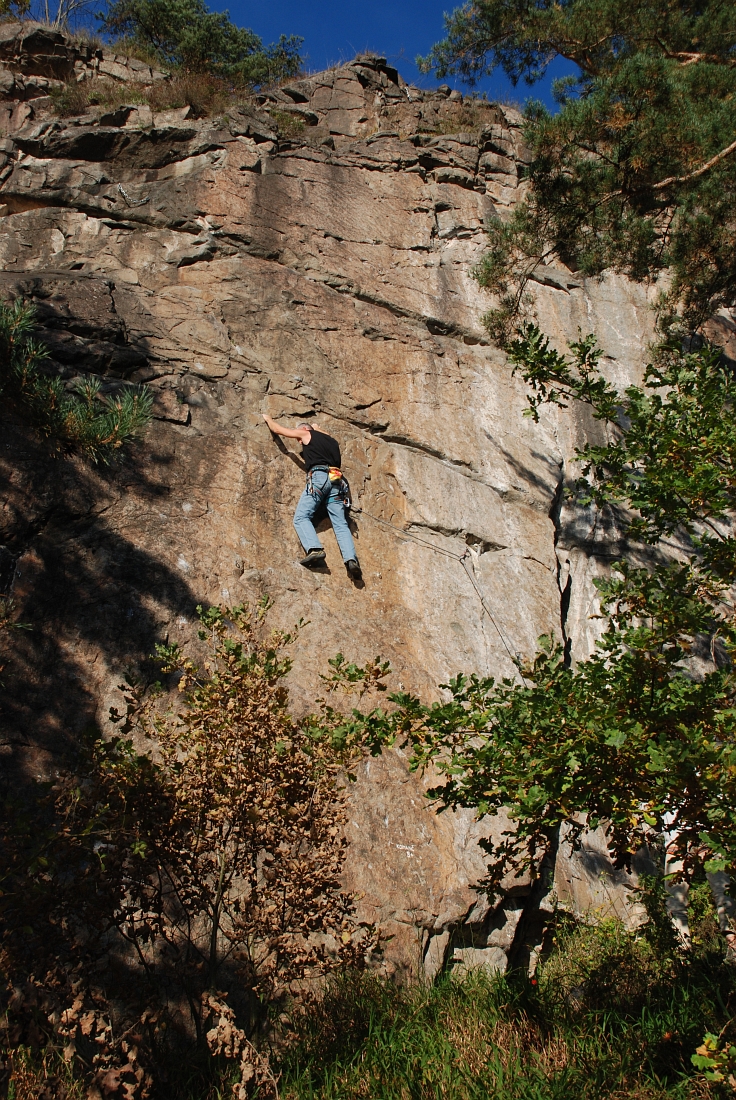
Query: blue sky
[{"x": 335, "y": 30}]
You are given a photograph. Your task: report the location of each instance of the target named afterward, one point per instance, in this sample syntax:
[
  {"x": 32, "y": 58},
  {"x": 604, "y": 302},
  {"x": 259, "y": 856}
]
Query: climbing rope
[{"x": 462, "y": 558}]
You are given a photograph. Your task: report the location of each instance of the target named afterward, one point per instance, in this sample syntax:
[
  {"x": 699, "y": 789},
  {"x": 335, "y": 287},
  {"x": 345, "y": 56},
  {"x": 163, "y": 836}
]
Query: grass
[
  {"x": 611, "y": 1016},
  {"x": 129, "y": 47},
  {"x": 469, "y": 117},
  {"x": 288, "y": 125},
  {"x": 489, "y": 1038},
  {"x": 34, "y": 1076},
  {"x": 84, "y": 38},
  {"x": 208, "y": 96},
  {"x": 205, "y": 94}
]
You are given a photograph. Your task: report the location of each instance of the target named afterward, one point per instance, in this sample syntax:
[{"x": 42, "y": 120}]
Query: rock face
[{"x": 325, "y": 276}]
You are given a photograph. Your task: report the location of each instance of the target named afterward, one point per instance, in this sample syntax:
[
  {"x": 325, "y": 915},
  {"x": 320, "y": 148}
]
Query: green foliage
[
  {"x": 84, "y": 418},
  {"x": 347, "y": 673},
  {"x": 703, "y": 919},
  {"x": 675, "y": 460},
  {"x": 624, "y": 739},
  {"x": 187, "y": 35},
  {"x": 637, "y": 171},
  {"x": 605, "y": 1016},
  {"x": 631, "y": 737},
  {"x": 717, "y": 1060},
  {"x": 523, "y": 38}
]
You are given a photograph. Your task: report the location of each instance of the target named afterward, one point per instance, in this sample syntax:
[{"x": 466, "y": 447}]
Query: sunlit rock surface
[{"x": 325, "y": 277}]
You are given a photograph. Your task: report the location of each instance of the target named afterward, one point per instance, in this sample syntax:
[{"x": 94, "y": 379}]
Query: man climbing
[{"x": 325, "y": 486}]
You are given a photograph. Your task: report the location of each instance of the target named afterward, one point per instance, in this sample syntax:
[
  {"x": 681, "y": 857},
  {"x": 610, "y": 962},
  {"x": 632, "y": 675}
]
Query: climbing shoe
[
  {"x": 353, "y": 568},
  {"x": 314, "y": 557}
]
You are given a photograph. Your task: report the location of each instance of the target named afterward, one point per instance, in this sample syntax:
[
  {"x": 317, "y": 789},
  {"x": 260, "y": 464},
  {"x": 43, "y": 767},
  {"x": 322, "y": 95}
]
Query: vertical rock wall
[{"x": 328, "y": 277}]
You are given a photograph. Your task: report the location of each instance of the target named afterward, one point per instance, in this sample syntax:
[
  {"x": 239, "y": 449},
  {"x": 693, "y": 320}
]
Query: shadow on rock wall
[{"x": 90, "y": 598}]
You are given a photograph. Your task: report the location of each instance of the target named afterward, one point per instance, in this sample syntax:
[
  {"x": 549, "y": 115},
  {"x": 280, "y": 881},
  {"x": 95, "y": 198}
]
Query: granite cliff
[{"x": 307, "y": 255}]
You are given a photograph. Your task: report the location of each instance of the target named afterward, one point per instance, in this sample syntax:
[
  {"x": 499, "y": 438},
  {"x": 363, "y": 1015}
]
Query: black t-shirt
[{"x": 322, "y": 450}]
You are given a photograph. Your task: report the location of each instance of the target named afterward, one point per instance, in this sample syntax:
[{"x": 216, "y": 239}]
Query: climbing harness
[
  {"x": 336, "y": 480},
  {"x": 463, "y": 559}
]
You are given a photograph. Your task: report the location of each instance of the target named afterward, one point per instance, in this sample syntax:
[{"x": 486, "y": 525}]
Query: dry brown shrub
[
  {"x": 143, "y": 882},
  {"x": 71, "y": 99},
  {"x": 205, "y": 94}
]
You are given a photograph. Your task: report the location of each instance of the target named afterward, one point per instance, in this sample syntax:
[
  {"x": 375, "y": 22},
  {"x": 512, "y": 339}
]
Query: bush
[
  {"x": 70, "y": 99},
  {"x": 288, "y": 124},
  {"x": 160, "y": 903},
  {"x": 602, "y": 966},
  {"x": 83, "y": 419},
  {"x": 206, "y": 95}
]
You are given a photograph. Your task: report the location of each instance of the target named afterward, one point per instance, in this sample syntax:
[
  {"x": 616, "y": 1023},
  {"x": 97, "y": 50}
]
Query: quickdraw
[{"x": 132, "y": 202}]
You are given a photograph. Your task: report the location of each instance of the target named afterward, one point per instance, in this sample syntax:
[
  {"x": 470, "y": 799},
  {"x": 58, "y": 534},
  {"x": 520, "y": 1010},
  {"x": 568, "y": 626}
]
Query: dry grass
[
  {"x": 70, "y": 100},
  {"x": 128, "y": 47},
  {"x": 42, "y": 1077},
  {"x": 86, "y": 39},
  {"x": 206, "y": 95},
  {"x": 469, "y": 117}
]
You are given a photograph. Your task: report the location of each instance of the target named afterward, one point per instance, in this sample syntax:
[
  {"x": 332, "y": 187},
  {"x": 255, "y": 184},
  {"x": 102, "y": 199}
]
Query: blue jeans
[{"x": 309, "y": 505}]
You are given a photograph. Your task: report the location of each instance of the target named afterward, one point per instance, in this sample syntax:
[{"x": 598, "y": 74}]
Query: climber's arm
[{"x": 290, "y": 433}]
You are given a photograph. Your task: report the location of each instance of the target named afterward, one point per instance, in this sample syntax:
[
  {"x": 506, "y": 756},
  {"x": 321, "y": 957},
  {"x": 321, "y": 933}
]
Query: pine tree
[
  {"x": 187, "y": 35},
  {"x": 82, "y": 418},
  {"x": 637, "y": 170}
]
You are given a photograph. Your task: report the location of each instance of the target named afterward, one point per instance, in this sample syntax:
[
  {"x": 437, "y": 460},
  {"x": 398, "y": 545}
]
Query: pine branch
[{"x": 673, "y": 180}]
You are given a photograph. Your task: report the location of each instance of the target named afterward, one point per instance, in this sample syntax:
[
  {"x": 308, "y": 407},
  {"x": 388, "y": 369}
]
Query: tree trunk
[{"x": 530, "y": 930}]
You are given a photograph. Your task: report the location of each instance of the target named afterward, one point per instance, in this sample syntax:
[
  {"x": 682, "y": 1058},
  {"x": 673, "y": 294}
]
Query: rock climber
[{"x": 326, "y": 487}]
